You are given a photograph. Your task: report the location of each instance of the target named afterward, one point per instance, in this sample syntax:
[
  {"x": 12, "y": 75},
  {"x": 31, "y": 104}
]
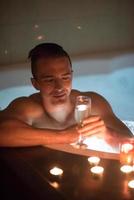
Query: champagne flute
[{"x": 82, "y": 111}]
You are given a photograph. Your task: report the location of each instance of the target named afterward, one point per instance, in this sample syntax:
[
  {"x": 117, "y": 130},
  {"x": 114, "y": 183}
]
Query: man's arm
[
  {"x": 16, "y": 128},
  {"x": 17, "y": 133}
]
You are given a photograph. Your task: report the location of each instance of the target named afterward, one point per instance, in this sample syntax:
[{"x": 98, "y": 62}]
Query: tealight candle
[
  {"x": 131, "y": 184},
  {"x": 56, "y": 171},
  {"x": 98, "y": 170},
  {"x": 126, "y": 168},
  {"x": 94, "y": 160}
]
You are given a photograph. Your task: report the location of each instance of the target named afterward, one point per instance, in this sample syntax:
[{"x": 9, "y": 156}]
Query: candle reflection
[
  {"x": 55, "y": 184},
  {"x": 126, "y": 191}
]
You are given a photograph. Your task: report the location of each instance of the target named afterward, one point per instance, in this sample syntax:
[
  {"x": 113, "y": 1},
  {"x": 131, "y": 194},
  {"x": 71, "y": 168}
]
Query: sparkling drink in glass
[{"x": 82, "y": 111}]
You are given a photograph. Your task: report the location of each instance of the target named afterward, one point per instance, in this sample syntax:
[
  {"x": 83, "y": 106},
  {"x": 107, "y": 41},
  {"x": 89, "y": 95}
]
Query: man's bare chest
[{"x": 50, "y": 123}]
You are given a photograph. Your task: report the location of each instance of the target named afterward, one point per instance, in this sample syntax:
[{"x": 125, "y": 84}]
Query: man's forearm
[{"x": 13, "y": 136}]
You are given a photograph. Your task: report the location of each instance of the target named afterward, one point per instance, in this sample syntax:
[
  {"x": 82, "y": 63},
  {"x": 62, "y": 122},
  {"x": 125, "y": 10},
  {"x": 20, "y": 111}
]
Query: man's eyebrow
[
  {"x": 69, "y": 73},
  {"x": 43, "y": 75},
  {"x": 51, "y": 76},
  {"x": 47, "y": 76}
]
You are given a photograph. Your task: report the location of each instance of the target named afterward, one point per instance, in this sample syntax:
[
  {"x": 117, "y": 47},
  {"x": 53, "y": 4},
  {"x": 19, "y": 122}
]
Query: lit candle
[
  {"x": 127, "y": 154},
  {"x": 94, "y": 160},
  {"x": 98, "y": 170},
  {"x": 126, "y": 168},
  {"x": 56, "y": 171},
  {"x": 126, "y": 147},
  {"x": 131, "y": 184}
]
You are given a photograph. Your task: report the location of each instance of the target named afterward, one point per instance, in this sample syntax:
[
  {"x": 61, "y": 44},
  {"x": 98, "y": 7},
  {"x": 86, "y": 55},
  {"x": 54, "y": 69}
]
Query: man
[{"x": 47, "y": 117}]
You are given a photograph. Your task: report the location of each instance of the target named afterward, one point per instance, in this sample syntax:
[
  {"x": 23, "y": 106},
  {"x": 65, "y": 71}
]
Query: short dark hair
[{"x": 46, "y": 50}]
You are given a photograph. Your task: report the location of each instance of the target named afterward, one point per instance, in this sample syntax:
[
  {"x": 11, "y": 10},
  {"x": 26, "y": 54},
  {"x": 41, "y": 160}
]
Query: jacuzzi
[{"x": 110, "y": 76}]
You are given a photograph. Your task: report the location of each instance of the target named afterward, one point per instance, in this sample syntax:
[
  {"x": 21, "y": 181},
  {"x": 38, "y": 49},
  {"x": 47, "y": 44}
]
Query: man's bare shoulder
[
  {"x": 23, "y": 108},
  {"x": 99, "y": 104}
]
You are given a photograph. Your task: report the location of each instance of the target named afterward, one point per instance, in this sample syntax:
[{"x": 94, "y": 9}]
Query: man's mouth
[{"x": 59, "y": 95}]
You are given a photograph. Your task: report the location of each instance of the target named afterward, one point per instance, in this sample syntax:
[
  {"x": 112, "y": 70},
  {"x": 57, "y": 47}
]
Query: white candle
[
  {"x": 56, "y": 171},
  {"x": 131, "y": 184},
  {"x": 94, "y": 160},
  {"x": 126, "y": 168},
  {"x": 97, "y": 170}
]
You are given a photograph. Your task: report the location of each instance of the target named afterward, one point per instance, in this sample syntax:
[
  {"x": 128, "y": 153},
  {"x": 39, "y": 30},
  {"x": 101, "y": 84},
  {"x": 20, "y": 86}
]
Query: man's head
[
  {"x": 52, "y": 72},
  {"x": 45, "y": 50}
]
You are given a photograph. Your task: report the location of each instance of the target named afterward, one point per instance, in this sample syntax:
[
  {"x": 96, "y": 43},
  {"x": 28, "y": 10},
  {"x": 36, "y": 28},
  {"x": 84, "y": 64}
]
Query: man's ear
[{"x": 35, "y": 84}]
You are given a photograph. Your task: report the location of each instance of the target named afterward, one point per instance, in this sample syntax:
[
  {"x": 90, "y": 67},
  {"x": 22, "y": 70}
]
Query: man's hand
[
  {"x": 91, "y": 126},
  {"x": 95, "y": 126}
]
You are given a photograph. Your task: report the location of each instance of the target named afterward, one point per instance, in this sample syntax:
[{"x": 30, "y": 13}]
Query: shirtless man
[{"x": 47, "y": 117}]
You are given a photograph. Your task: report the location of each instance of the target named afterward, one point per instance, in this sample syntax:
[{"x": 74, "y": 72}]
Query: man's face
[{"x": 54, "y": 79}]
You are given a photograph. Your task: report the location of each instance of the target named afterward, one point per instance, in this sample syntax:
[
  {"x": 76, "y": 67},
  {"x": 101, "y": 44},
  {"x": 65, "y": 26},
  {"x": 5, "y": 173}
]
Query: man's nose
[{"x": 58, "y": 84}]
